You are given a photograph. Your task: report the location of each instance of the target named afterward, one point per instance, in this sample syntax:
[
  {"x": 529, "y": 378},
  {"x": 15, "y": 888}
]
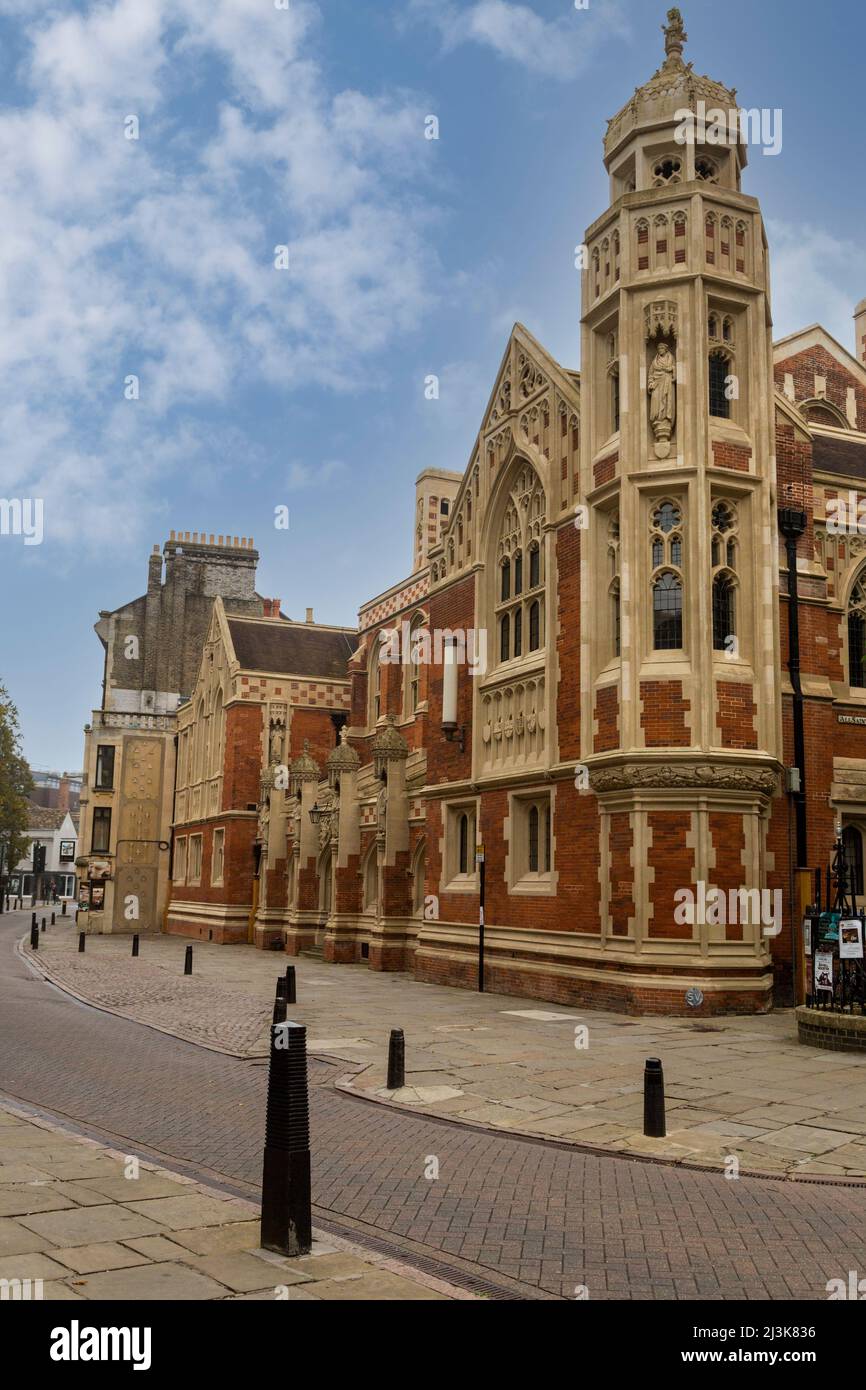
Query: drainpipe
[{"x": 792, "y": 524}]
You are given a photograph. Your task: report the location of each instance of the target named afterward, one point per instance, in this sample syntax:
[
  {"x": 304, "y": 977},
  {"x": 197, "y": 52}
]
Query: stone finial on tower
[
  {"x": 675, "y": 38},
  {"x": 860, "y": 332}
]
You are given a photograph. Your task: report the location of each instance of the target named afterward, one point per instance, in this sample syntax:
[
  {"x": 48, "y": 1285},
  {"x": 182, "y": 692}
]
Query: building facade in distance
[{"x": 152, "y": 650}]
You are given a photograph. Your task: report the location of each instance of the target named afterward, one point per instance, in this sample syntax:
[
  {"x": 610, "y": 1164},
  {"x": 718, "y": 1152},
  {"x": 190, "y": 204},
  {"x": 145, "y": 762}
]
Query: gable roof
[
  {"x": 292, "y": 649},
  {"x": 816, "y": 336}
]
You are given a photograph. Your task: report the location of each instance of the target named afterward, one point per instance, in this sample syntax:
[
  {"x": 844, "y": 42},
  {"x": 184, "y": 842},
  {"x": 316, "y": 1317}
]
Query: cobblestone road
[{"x": 550, "y": 1218}]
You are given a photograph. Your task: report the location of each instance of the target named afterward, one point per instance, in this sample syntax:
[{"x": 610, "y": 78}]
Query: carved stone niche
[
  {"x": 698, "y": 776},
  {"x": 513, "y": 723}
]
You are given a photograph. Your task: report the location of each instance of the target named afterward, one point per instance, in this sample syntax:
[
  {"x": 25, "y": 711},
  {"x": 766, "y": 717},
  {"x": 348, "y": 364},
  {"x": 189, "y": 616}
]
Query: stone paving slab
[
  {"x": 736, "y": 1087},
  {"x": 162, "y": 1236}
]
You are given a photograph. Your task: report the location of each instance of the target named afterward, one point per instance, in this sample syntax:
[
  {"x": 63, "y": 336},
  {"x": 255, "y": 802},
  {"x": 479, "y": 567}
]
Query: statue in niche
[
  {"x": 662, "y": 389},
  {"x": 276, "y": 752}
]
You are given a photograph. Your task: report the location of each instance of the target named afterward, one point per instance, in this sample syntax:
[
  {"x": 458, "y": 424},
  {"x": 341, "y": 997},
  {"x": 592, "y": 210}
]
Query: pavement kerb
[
  {"x": 345, "y": 1084},
  {"x": 401, "y": 1268},
  {"x": 39, "y": 966}
]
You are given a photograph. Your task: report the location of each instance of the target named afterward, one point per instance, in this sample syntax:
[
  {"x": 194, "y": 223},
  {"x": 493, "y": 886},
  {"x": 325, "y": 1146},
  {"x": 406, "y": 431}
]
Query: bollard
[
  {"x": 34, "y": 937},
  {"x": 279, "y": 1009},
  {"x": 135, "y": 944},
  {"x": 286, "y": 1225},
  {"x": 43, "y": 923},
  {"x": 282, "y": 987},
  {"x": 187, "y": 961},
  {"x": 291, "y": 988},
  {"x": 33, "y": 919},
  {"x": 63, "y": 908},
  {"x": 81, "y": 936},
  {"x": 54, "y": 919},
  {"x": 654, "y": 1099},
  {"x": 396, "y": 1060}
]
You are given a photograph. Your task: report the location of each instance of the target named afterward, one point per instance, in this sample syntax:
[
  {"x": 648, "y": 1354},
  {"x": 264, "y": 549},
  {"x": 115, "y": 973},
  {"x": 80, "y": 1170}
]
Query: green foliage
[{"x": 16, "y": 785}]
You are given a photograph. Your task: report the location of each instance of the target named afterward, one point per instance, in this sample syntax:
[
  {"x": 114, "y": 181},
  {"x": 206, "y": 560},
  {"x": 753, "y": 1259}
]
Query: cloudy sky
[{"x": 266, "y": 123}]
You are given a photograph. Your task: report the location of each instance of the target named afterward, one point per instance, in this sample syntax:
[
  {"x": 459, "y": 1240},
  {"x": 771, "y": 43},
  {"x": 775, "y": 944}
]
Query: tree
[{"x": 15, "y": 787}]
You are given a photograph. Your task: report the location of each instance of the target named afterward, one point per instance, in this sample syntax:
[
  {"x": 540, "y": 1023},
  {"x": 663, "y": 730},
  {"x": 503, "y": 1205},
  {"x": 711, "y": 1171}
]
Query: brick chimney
[
  {"x": 63, "y": 794},
  {"x": 309, "y": 615},
  {"x": 860, "y": 332}
]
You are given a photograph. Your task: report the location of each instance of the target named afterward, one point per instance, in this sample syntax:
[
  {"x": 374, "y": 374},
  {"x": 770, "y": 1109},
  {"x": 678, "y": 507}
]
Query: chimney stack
[
  {"x": 309, "y": 615},
  {"x": 860, "y": 332}
]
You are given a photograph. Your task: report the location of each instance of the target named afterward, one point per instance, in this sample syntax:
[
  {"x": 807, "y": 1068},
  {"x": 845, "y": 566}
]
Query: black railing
[{"x": 836, "y": 981}]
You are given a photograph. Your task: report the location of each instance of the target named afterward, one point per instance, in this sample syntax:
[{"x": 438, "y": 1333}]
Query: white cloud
[
  {"x": 560, "y": 47},
  {"x": 156, "y": 257},
  {"x": 810, "y": 280}
]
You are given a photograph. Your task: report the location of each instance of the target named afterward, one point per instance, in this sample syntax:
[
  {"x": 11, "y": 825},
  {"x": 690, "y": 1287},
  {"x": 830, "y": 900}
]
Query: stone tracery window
[
  {"x": 667, "y": 170},
  {"x": 724, "y": 557},
  {"x": 374, "y": 702},
  {"x": 519, "y": 575},
  {"x": 666, "y": 550},
  {"x": 857, "y": 634}
]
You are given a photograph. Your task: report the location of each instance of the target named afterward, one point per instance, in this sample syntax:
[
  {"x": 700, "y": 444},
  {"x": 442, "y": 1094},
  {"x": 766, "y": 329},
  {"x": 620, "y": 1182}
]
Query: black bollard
[
  {"x": 286, "y": 1224},
  {"x": 291, "y": 988},
  {"x": 396, "y": 1060},
  {"x": 187, "y": 961},
  {"x": 654, "y": 1099},
  {"x": 279, "y": 1009},
  {"x": 81, "y": 936},
  {"x": 34, "y": 937},
  {"x": 282, "y": 987},
  {"x": 135, "y": 944},
  {"x": 43, "y": 923},
  {"x": 63, "y": 908},
  {"x": 54, "y": 919},
  {"x": 33, "y": 919}
]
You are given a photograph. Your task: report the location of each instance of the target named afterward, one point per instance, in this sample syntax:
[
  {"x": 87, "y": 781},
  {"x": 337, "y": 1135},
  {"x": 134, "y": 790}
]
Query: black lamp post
[{"x": 792, "y": 524}]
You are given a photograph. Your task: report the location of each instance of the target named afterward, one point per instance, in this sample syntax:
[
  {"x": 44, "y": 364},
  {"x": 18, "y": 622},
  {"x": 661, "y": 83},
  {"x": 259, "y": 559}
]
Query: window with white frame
[{"x": 218, "y": 856}]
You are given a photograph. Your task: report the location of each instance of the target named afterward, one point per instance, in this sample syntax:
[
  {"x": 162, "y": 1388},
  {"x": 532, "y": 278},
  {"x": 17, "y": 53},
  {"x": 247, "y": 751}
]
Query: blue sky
[{"x": 304, "y": 126}]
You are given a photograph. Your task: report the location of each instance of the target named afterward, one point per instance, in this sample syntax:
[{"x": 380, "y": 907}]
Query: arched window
[
  {"x": 533, "y": 839},
  {"x": 504, "y": 638},
  {"x": 719, "y": 369},
  {"x": 375, "y": 685},
  {"x": 216, "y": 750},
  {"x": 666, "y": 549},
  {"x": 667, "y": 613},
  {"x": 419, "y": 873},
  {"x": 723, "y": 554},
  {"x": 857, "y": 634},
  {"x": 514, "y": 600},
  {"x": 466, "y": 843},
  {"x": 534, "y": 627},
  {"x": 852, "y": 849}
]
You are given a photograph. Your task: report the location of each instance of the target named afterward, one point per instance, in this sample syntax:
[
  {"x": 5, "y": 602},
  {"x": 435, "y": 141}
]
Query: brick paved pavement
[
  {"x": 549, "y": 1217},
  {"x": 735, "y": 1086}
]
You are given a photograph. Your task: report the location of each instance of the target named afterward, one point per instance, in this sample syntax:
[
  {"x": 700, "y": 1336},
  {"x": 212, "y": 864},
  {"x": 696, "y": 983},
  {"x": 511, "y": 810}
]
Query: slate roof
[
  {"x": 844, "y": 456},
  {"x": 293, "y": 649}
]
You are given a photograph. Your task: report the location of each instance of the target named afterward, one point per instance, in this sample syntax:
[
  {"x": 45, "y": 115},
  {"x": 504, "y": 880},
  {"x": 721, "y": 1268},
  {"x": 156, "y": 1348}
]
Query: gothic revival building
[
  {"x": 620, "y": 539},
  {"x": 630, "y": 659}
]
